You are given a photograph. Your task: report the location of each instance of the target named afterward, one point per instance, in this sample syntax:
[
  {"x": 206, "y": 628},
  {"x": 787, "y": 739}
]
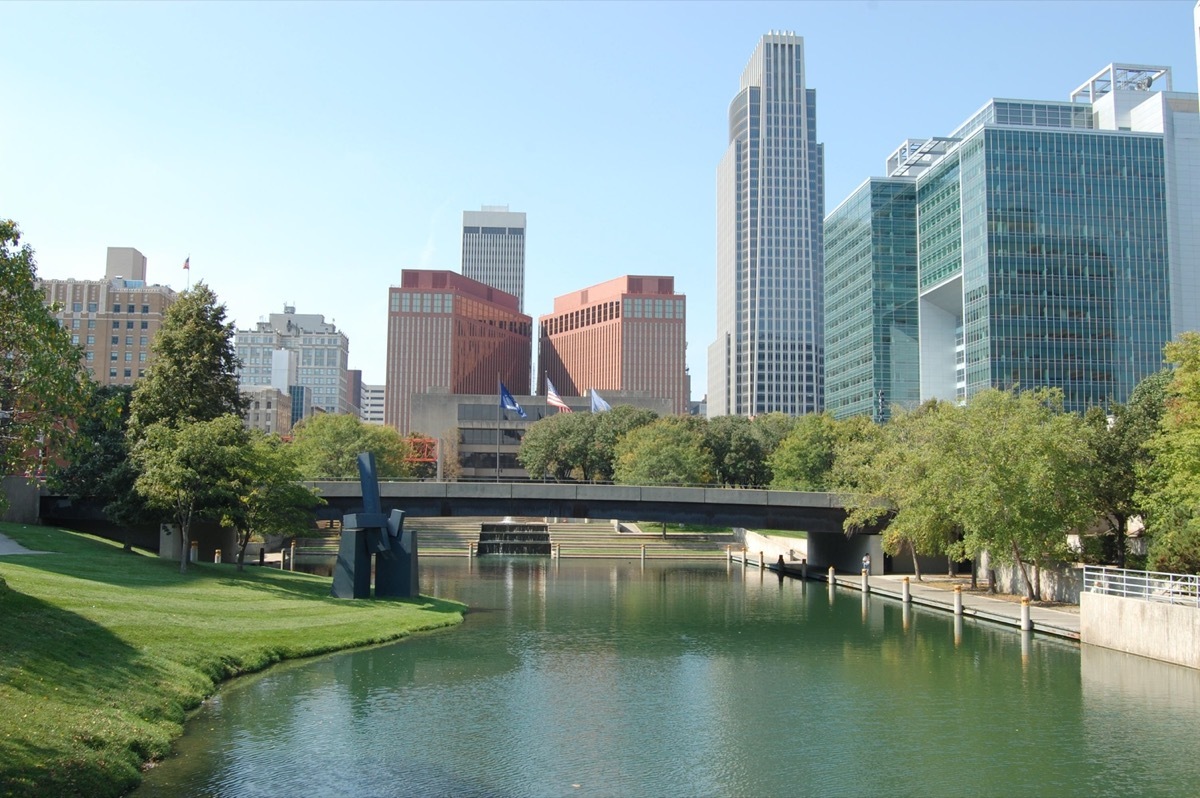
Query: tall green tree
[
  {"x": 272, "y": 500},
  {"x": 559, "y": 447},
  {"x": 194, "y": 373},
  {"x": 737, "y": 451},
  {"x": 96, "y": 461},
  {"x": 1170, "y": 494},
  {"x": 195, "y": 470},
  {"x": 668, "y": 451},
  {"x": 610, "y": 427},
  {"x": 804, "y": 459},
  {"x": 327, "y": 446},
  {"x": 1021, "y": 478},
  {"x": 1121, "y": 455},
  {"x": 42, "y": 385}
]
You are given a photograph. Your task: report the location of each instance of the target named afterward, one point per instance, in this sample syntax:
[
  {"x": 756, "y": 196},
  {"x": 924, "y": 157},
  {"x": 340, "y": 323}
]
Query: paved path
[
  {"x": 939, "y": 594},
  {"x": 10, "y": 546}
]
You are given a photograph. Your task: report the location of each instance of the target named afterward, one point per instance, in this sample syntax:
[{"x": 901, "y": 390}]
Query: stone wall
[
  {"x": 1061, "y": 582},
  {"x": 1169, "y": 632}
]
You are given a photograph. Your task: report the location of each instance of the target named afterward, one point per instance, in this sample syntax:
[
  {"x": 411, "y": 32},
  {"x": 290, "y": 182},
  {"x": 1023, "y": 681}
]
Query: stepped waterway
[{"x": 672, "y": 678}]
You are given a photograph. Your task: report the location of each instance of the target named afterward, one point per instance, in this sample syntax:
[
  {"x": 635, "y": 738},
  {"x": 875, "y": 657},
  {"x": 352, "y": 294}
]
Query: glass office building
[
  {"x": 1052, "y": 250},
  {"x": 871, "y": 300},
  {"x": 768, "y": 353}
]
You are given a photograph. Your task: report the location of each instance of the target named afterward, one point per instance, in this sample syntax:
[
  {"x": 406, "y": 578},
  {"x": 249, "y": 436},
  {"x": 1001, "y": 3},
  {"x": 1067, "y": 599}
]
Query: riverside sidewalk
[
  {"x": 938, "y": 593},
  {"x": 10, "y": 546}
]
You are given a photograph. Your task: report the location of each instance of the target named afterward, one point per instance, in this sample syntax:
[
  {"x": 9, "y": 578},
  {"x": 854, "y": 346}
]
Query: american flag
[
  {"x": 553, "y": 399},
  {"x": 187, "y": 264}
]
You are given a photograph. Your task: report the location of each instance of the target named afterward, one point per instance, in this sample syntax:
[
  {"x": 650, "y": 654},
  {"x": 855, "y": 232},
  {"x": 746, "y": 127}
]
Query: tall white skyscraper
[
  {"x": 493, "y": 249},
  {"x": 768, "y": 355}
]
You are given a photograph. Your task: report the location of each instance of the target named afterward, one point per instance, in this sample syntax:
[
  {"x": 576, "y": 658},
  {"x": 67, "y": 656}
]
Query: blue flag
[
  {"x": 508, "y": 403},
  {"x": 598, "y": 404}
]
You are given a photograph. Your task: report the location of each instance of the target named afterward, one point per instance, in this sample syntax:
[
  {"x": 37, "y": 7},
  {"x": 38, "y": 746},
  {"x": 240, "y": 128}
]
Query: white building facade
[{"x": 493, "y": 249}]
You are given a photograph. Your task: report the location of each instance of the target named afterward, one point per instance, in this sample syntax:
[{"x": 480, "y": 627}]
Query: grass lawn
[{"x": 102, "y": 652}]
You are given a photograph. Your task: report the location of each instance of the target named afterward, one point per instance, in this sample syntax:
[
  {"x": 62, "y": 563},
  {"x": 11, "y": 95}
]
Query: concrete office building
[
  {"x": 317, "y": 351},
  {"x": 268, "y": 409},
  {"x": 450, "y": 332},
  {"x": 768, "y": 354},
  {"x": 1055, "y": 246},
  {"x": 473, "y": 429},
  {"x": 115, "y": 319},
  {"x": 493, "y": 249},
  {"x": 627, "y": 334},
  {"x": 371, "y": 409}
]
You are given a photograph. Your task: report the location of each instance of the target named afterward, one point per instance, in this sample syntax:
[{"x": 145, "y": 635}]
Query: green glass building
[{"x": 1047, "y": 246}]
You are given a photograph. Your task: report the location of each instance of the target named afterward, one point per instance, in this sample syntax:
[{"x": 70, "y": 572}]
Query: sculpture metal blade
[{"x": 371, "y": 532}]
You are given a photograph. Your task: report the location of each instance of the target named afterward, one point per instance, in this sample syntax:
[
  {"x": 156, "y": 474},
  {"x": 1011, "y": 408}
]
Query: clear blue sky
[{"x": 305, "y": 153}]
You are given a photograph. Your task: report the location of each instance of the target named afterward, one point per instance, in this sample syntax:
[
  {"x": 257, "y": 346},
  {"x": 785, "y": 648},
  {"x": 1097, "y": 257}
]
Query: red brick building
[
  {"x": 446, "y": 331},
  {"x": 628, "y": 334}
]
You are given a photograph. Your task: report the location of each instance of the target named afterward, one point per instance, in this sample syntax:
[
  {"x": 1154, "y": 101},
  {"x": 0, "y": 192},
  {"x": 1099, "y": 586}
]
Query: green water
[{"x": 599, "y": 678}]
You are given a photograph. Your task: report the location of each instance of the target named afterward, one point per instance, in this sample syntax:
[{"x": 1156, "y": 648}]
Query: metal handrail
[{"x": 1167, "y": 588}]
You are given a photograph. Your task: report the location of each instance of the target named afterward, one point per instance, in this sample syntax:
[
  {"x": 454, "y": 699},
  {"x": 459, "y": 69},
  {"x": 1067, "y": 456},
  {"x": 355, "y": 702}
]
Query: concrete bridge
[{"x": 734, "y": 507}]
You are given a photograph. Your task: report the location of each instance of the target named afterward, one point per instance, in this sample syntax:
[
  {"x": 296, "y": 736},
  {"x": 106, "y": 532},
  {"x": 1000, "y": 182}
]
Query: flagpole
[{"x": 498, "y": 404}]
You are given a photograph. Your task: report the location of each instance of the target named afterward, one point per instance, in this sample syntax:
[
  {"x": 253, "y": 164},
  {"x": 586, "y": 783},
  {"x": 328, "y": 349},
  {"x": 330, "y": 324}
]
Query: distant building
[
  {"x": 769, "y": 352},
  {"x": 474, "y": 429},
  {"x": 115, "y": 319},
  {"x": 452, "y": 333},
  {"x": 317, "y": 351},
  {"x": 373, "y": 398},
  {"x": 1040, "y": 244},
  {"x": 627, "y": 334},
  {"x": 493, "y": 249},
  {"x": 269, "y": 410}
]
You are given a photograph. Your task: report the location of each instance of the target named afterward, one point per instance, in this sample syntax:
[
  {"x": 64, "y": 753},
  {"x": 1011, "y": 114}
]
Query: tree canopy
[
  {"x": 194, "y": 373},
  {"x": 327, "y": 446},
  {"x": 667, "y": 451},
  {"x": 42, "y": 385}
]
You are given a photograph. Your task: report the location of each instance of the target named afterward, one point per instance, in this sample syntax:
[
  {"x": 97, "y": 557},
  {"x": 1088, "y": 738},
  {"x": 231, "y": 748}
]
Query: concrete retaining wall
[
  {"x": 1063, "y": 582},
  {"x": 1168, "y": 632}
]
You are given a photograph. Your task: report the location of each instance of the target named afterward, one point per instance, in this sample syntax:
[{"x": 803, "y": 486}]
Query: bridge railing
[{"x": 1157, "y": 586}]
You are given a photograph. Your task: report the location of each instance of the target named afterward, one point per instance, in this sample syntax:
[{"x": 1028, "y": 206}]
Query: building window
[
  {"x": 92, "y": 307},
  {"x": 112, "y": 373},
  {"x": 116, "y": 309},
  {"x": 116, "y": 339},
  {"x": 91, "y": 339},
  {"x": 75, "y": 340},
  {"x": 128, "y": 373},
  {"x": 129, "y": 324},
  {"x": 74, "y": 324},
  {"x": 129, "y": 308},
  {"x": 91, "y": 324},
  {"x": 145, "y": 325},
  {"x": 112, "y": 356},
  {"x": 90, "y": 357},
  {"x": 128, "y": 340},
  {"x": 145, "y": 308},
  {"x": 116, "y": 325}
]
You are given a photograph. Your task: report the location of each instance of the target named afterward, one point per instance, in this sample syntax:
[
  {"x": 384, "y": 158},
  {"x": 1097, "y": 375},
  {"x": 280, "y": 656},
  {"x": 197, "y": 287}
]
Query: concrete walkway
[
  {"x": 938, "y": 593},
  {"x": 10, "y": 546}
]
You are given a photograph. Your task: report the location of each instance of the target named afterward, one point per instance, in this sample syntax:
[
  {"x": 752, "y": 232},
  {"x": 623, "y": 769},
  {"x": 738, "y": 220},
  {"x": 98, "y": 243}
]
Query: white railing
[{"x": 1146, "y": 585}]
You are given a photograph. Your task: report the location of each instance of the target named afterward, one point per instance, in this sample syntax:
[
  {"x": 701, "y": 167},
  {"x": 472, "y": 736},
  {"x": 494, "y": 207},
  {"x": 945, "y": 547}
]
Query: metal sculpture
[{"x": 372, "y": 534}]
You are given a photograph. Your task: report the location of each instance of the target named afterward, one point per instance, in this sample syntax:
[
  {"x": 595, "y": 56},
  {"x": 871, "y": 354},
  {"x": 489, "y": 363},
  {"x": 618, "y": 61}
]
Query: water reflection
[{"x": 690, "y": 679}]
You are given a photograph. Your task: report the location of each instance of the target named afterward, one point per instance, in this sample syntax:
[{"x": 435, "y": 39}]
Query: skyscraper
[
  {"x": 1042, "y": 244},
  {"x": 113, "y": 320},
  {"x": 627, "y": 334},
  {"x": 450, "y": 333},
  {"x": 770, "y": 213},
  {"x": 493, "y": 249}
]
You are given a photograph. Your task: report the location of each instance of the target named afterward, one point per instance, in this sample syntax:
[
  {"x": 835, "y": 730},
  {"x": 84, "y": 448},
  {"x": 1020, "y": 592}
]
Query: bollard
[
  {"x": 1026, "y": 623},
  {"x": 729, "y": 554},
  {"x": 762, "y": 561},
  {"x": 216, "y": 555},
  {"x": 958, "y": 599},
  {"x": 292, "y": 556},
  {"x": 194, "y": 554},
  {"x": 262, "y": 555},
  {"x": 905, "y": 591},
  {"x": 804, "y": 569},
  {"x": 832, "y": 578},
  {"x": 643, "y": 554},
  {"x": 866, "y": 584},
  {"x": 958, "y": 624},
  {"x": 744, "y": 563},
  {"x": 906, "y": 615}
]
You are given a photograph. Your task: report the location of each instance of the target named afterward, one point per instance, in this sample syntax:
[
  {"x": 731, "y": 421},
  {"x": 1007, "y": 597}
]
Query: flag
[
  {"x": 598, "y": 404},
  {"x": 553, "y": 399},
  {"x": 187, "y": 264},
  {"x": 508, "y": 403}
]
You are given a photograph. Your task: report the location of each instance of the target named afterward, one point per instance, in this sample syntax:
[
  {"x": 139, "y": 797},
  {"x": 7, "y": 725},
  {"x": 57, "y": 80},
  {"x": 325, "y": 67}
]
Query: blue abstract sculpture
[{"x": 371, "y": 533}]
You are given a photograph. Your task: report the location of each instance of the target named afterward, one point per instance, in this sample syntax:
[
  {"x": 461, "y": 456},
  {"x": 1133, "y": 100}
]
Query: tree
[
  {"x": 805, "y": 458},
  {"x": 97, "y": 462},
  {"x": 194, "y": 470},
  {"x": 669, "y": 451},
  {"x": 737, "y": 451},
  {"x": 610, "y": 427},
  {"x": 1121, "y": 455},
  {"x": 898, "y": 469},
  {"x": 559, "y": 446},
  {"x": 271, "y": 500},
  {"x": 327, "y": 446},
  {"x": 42, "y": 385},
  {"x": 1171, "y": 490},
  {"x": 194, "y": 373},
  {"x": 1020, "y": 478}
]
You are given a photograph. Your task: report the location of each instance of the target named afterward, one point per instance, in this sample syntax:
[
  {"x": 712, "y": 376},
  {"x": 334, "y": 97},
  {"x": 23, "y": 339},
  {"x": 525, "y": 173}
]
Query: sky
[{"x": 306, "y": 153}]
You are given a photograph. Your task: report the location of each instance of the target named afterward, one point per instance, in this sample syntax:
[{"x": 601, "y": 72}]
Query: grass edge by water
[{"x": 104, "y": 653}]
